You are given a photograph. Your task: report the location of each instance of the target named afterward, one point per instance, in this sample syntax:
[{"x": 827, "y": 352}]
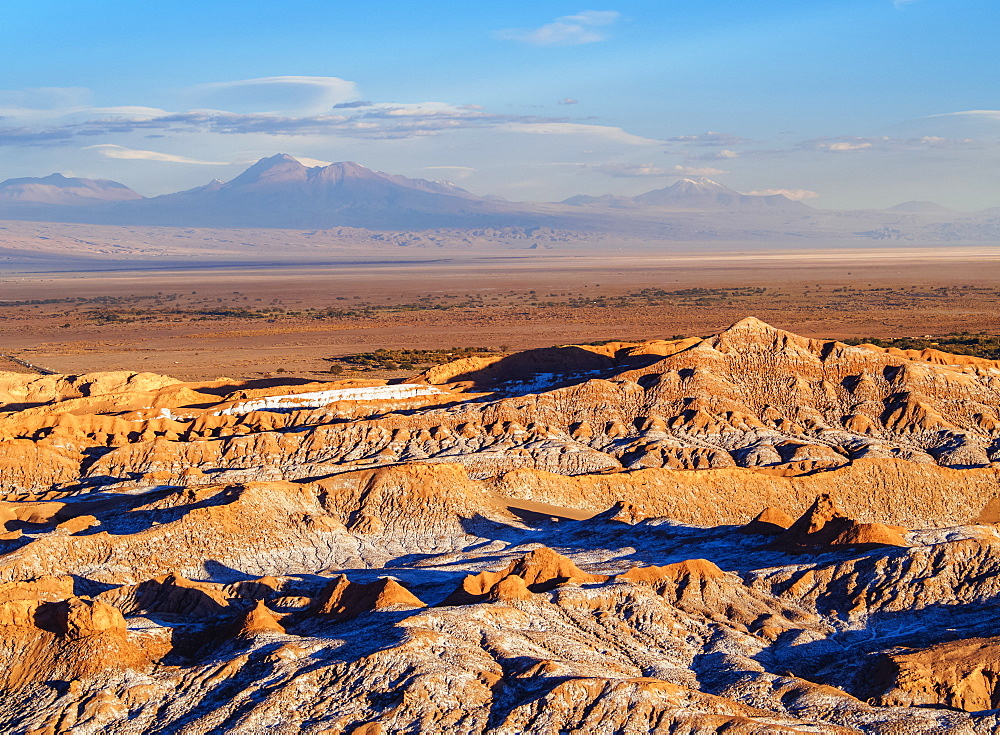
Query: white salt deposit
[{"x": 322, "y": 398}]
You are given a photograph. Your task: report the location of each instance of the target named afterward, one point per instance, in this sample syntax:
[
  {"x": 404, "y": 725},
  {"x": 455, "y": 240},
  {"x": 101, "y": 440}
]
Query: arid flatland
[{"x": 198, "y": 323}]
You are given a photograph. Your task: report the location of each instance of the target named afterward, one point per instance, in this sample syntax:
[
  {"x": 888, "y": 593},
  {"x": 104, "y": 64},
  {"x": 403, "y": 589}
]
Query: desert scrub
[
  {"x": 384, "y": 359},
  {"x": 974, "y": 345}
]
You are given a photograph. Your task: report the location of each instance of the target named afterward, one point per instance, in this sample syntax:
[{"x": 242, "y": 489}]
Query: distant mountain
[
  {"x": 281, "y": 192},
  {"x": 60, "y": 190},
  {"x": 917, "y": 207},
  {"x": 695, "y": 195},
  {"x": 341, "y": 184}
]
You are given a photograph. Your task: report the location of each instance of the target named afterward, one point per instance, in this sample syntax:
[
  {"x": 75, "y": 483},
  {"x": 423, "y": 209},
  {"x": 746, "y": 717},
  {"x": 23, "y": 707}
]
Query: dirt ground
[{"x": 246, "y": 322}]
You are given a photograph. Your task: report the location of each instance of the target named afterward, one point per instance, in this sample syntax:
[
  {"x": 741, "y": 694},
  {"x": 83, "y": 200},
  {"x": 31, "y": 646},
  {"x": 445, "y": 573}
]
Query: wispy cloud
[
  {"x": 371, "y": 122},
  {"x": 568, "y": 101},
  {"x": 116, "y": 128},
  {"x": 842, "y": 146},
  {"x": 985, "y": 114},
  {"x": 852, "y": 144},
  {"x": 703, "y": 171},
  {"x": 606, "y": 132},
  {"x": 275, "y": 95},
  {"x": 723, "y": 155},
  {"x": 380, "y": 121},
  {"x": 568, "y": 30},
  {"x": 643, "y": 170},
  {"x": 710, "y": 138},
  {"x": 130, "y": 154},
  {"x": 629, "y": 170}
]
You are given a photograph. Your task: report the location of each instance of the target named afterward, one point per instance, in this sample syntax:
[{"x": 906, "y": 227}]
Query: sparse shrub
[{"x": 409, "y": 359}]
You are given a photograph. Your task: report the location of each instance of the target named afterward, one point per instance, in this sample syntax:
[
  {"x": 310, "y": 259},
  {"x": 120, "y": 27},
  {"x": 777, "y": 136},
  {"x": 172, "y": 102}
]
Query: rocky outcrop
[
  {"x": 170, "y": 595},
  {"x": 73, "y": 638},
  {"x": 823, "y": 525},
  {"x": 259, "y": 621},
  {"x": 769, "y": 522},
  {"x": 962, "y": 674},
  {"x": 342, "y": 599},
  {"x": 539, "y": 571}
]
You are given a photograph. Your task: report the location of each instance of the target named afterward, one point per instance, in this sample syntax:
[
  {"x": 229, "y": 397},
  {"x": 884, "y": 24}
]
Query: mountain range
[
  {"x": 695, "y": 195},
  {"x": 281, "y": 192},
  {"x": 274, "y": 192},
  {"x": 60, "y": 190}
]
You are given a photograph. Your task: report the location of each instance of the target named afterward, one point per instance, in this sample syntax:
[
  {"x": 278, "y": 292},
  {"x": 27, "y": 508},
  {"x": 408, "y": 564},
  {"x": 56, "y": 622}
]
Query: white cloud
[
  {"x": 958, "y": 129},
  {"x": 569, "y": 30},
  {"x": 843, "y": 145},
  {"x": 847, "y": 144},
  {"x": 708, "y": 139},
  {"x": 426, "y": 109},
  {"x": 61, "y": 105},
  {"x": 130, "y": 154},
  {"x": 616, "y": 135},
  {"x": 275, "y": 95},
  {"x": 593, "y": 17},
  {"x": 375, "y": 121},
  {"x": 722, "y": 155},
  {"x": 796, "y": 194},
  {"x": 643, "y": 170},
  {"x": 704, "y": 171},
  {"x": 985, "y": 114},
  {"x": 568, "y": 101},
  {"x": 629, "y": 170},
  {"x": 126, "y": 111}
]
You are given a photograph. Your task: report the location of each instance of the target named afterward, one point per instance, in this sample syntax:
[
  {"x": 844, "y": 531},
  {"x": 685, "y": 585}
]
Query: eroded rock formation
[{"x": 753, "y": 532}]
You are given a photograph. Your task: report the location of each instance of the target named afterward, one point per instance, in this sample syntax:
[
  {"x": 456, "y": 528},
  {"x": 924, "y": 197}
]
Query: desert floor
[{"x": 203, "y": 322}]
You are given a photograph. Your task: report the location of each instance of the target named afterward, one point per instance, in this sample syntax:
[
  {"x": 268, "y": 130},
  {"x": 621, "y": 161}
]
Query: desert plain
[{"x": 197, "y": 317}]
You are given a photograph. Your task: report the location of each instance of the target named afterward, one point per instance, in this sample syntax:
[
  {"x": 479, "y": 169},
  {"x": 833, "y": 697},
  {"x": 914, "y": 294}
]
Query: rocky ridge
[{"x": 754, "y": 531}]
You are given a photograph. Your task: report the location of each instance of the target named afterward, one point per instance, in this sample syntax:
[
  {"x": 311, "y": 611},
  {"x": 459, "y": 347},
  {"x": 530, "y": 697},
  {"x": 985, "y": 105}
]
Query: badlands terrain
[{"x": 750, "y": 531}]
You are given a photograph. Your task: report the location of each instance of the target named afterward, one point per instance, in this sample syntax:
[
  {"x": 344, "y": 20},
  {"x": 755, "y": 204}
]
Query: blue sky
[{"x": 854, "y": 103}]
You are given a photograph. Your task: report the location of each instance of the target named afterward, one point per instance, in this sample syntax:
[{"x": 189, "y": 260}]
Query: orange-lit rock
[{"x": 185, "y": 557}]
